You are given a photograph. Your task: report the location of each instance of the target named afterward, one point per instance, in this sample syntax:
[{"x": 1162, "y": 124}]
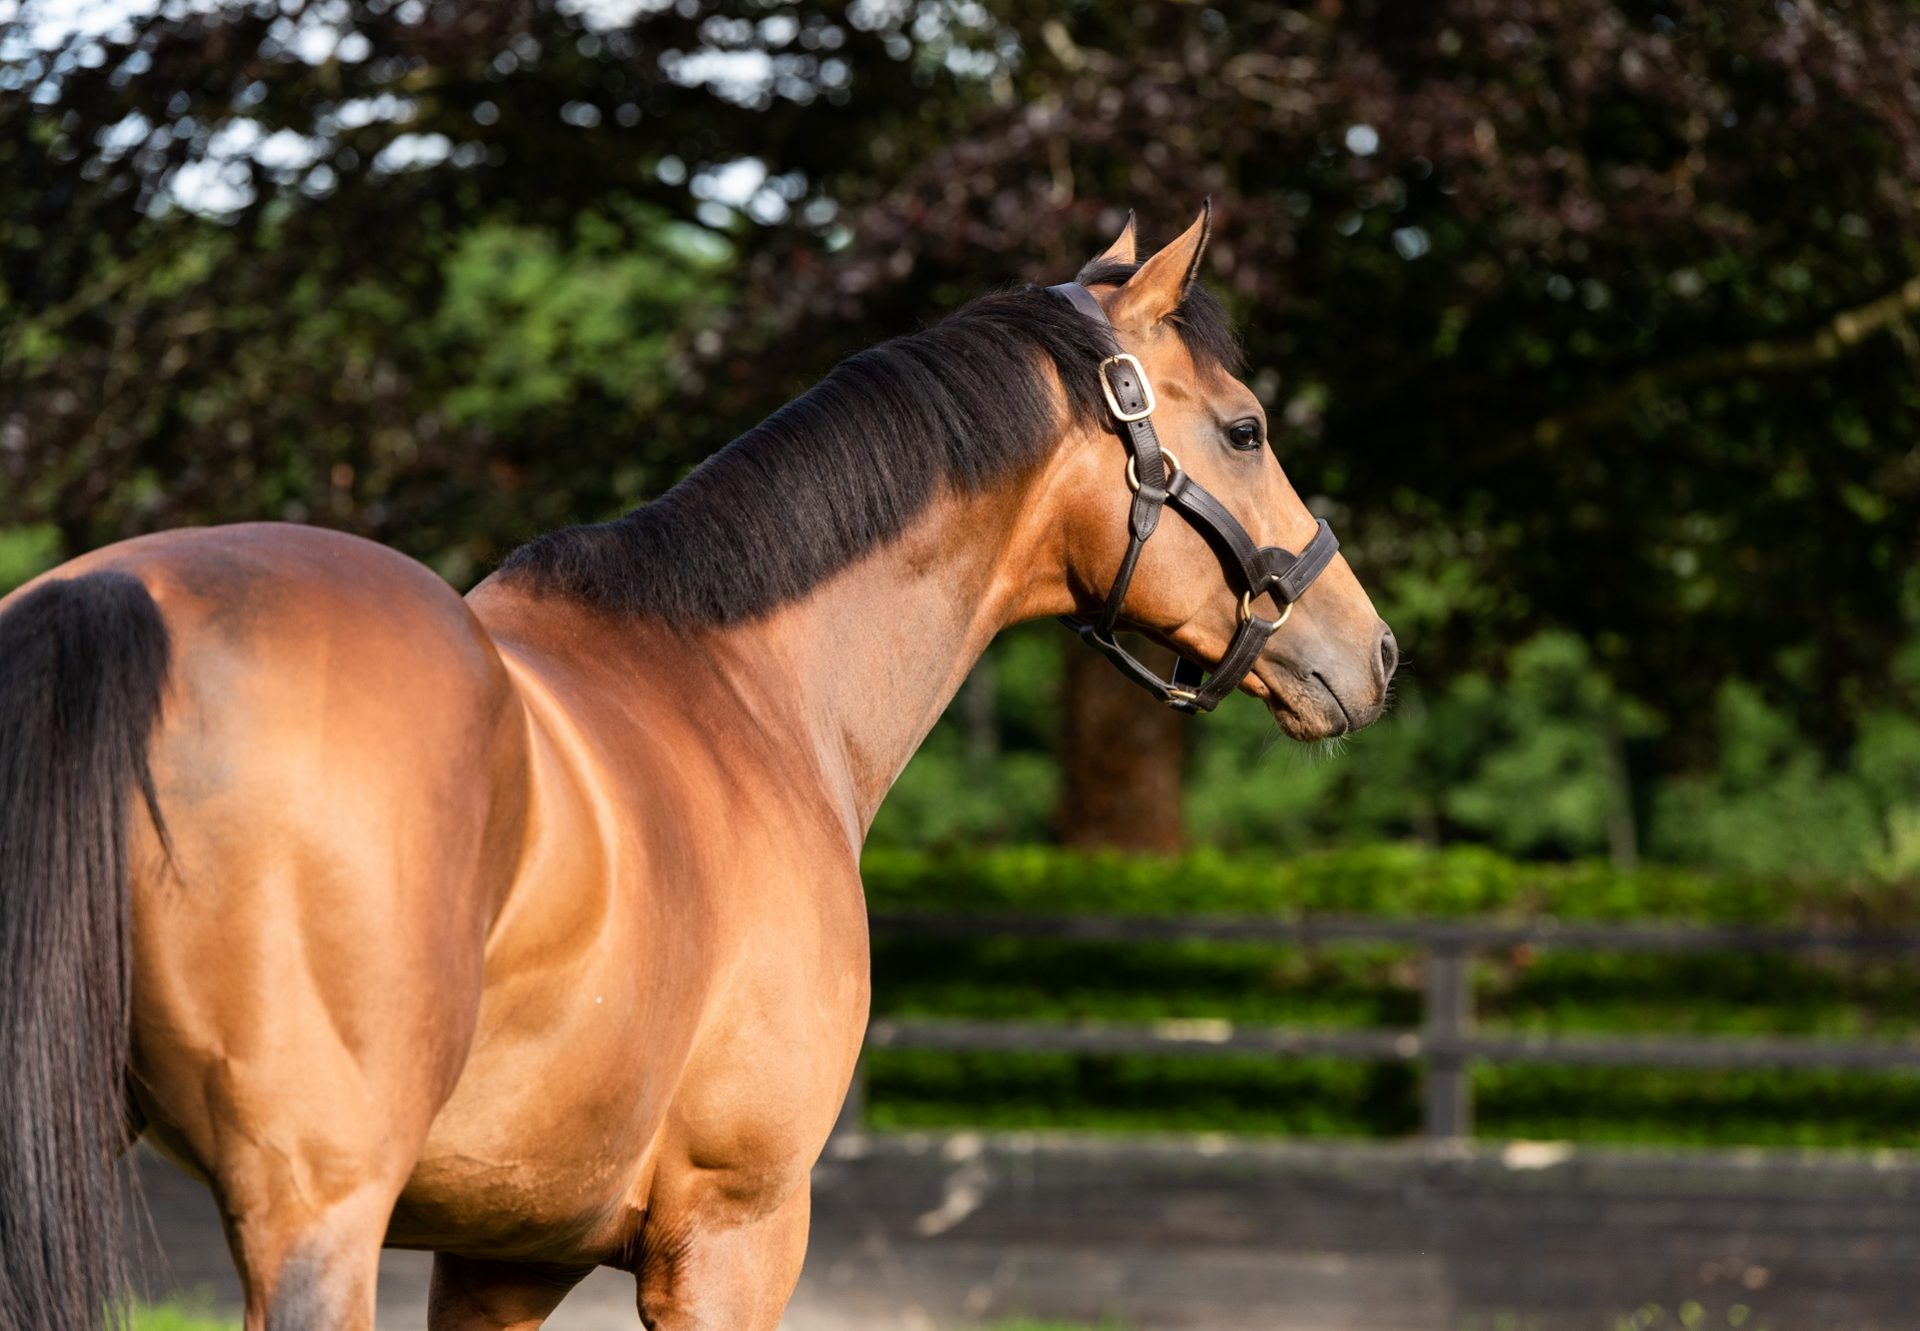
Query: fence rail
[{"x": 1445, "y": 1043}]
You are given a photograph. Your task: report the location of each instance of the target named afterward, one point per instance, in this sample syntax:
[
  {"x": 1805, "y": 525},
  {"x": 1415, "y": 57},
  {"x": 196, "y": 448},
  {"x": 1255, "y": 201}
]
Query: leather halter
[{"x": 1157, "y": 479}]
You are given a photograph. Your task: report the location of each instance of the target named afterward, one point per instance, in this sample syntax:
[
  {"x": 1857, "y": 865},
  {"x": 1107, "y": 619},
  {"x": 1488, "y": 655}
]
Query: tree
[
  {"x": 1120, "y": 758},
  {"x": 1572, "y": 314},
  {"x": 1589, "y": 315},
  {"x": 246, "y": 254}
]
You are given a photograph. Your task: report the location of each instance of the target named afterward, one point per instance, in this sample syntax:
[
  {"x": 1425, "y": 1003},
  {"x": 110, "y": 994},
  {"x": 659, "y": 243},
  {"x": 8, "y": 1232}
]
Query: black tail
[{"x": 83, "y": 665}]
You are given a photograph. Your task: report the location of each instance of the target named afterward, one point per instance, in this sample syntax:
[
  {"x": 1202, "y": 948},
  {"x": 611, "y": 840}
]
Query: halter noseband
[{"x": 1157, "y": 479}]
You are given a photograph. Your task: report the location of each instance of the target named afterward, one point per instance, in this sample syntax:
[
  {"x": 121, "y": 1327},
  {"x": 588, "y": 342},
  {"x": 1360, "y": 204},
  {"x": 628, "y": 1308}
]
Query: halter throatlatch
[{"x": 1157, "y": 479}]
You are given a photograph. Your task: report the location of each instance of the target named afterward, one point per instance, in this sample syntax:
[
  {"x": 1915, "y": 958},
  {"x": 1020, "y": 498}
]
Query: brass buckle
[
  {"x": 1106, "y": 386},
  {"x": 1133, "y": 472},
  {"x": 1180, "y": 695}
]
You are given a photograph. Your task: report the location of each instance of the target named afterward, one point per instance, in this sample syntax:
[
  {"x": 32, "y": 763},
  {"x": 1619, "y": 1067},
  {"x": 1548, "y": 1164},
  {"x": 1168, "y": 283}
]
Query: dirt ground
[{"x": 919, "y": 1232}]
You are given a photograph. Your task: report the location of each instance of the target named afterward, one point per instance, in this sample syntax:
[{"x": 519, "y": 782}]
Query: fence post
[{"x": 1449, "y": 1108}]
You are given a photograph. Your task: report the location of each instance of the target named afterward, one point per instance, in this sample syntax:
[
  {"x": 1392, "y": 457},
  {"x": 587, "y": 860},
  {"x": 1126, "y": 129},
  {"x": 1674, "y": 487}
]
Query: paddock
[{"x": 924, "y": 1232}]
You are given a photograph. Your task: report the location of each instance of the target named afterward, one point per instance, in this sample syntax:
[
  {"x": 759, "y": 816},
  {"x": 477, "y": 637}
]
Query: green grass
[{"x": 179, "y": 1315}]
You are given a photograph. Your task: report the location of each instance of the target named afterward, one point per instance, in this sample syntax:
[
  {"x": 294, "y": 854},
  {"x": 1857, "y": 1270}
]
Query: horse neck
[{"x": 869, "y": 659}]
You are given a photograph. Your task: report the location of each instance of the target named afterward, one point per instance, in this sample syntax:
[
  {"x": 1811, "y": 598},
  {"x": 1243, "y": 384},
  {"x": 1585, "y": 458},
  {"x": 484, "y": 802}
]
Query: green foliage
[
  {"x": 987, "y": 772},
  {"x": 1286, "y": 1097},
  {"x": 1731, "y": 1108},
  {"x": 1541, "y": 758},
  {"x": 949, "y": 796},
  {"x": 26, "y": 552},
  {"x": 534, "y": 325},
  {"x": 1552, "y": 734},
  {"x": 444, "y": 313},
  {"x": 1396, "y": 879},
  {"x": 1311, "y": 1097},
  {"x": 1771, "y": 802},
  {"x": 363, "y": 402},
  {"x": 1530, "y": 761}
]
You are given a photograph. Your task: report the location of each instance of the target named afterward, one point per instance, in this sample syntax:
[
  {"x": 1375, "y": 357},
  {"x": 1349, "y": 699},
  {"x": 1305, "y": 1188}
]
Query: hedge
[
  {"x": 1387, "y": 880},
  {"x": 1378, "y": 985}
]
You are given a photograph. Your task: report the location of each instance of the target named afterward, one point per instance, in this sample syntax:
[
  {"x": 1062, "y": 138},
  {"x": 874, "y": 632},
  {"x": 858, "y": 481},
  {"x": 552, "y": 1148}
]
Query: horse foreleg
[
  {"x": 473, "y": 1295},
  {"x": 723, "y": 1277},
  {"x": 306, "y": 1268}
]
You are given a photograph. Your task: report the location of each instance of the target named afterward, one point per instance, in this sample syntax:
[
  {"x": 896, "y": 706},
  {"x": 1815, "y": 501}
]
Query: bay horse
[{"x": 527, "y": 928}]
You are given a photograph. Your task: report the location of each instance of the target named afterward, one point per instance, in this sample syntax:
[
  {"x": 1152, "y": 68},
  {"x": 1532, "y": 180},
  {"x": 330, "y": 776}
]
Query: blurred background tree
[{"x": 1587, "y": 323}]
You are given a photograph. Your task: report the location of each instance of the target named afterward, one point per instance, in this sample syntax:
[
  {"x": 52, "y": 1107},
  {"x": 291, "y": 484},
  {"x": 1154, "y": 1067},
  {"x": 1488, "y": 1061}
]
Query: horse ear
[
  {"x": 1156, "y": 291},
  {"x": 1122, "y": 249}
]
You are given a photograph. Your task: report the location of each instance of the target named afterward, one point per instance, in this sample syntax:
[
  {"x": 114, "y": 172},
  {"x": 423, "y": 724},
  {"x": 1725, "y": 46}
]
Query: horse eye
[{"x": 1244, "y": 435}]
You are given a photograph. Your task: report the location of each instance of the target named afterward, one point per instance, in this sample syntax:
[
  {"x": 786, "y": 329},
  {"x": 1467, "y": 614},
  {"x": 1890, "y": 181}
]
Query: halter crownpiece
[{"x": 1156, "y": 478}]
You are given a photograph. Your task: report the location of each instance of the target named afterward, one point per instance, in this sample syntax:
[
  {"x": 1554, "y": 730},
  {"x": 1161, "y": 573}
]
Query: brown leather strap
[{"x": 1082, "y": 300}]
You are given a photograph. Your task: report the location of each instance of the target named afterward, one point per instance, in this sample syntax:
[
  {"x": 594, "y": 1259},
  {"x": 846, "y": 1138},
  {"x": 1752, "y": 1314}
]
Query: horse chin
[
  {"x": 1305, "y": 710},
  {"x": 1308, "y": 728}
]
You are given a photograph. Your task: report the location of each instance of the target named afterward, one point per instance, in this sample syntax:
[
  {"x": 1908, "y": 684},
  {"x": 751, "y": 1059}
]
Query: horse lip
[{"x": 1346, "y": 717}]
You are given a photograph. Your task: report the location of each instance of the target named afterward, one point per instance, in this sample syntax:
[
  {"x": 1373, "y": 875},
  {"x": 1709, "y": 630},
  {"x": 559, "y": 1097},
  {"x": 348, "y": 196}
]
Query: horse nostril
[{"x": 1389, "y": 654}]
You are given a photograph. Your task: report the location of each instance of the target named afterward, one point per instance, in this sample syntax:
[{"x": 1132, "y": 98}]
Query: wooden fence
[{"x": 1445, "y": 1043}]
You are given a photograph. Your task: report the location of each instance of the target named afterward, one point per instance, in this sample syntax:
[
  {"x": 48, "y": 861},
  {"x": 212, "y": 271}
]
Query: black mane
[{"x": 848, "y": 464}]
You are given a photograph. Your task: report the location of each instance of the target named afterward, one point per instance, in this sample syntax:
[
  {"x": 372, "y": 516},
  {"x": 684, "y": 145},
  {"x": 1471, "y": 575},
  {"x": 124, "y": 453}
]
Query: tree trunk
[{"x": 1122, "y": 757}]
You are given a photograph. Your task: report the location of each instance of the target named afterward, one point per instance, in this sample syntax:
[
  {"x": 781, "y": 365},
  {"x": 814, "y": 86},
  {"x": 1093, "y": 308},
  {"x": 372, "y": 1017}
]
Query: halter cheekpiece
[{"x": 1156, "y": 478}]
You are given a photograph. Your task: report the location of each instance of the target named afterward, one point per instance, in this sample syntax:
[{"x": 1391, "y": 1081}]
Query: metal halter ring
[
  {"x": 1133, "y": 473},
  {"x": 1246, "y": 610}
]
